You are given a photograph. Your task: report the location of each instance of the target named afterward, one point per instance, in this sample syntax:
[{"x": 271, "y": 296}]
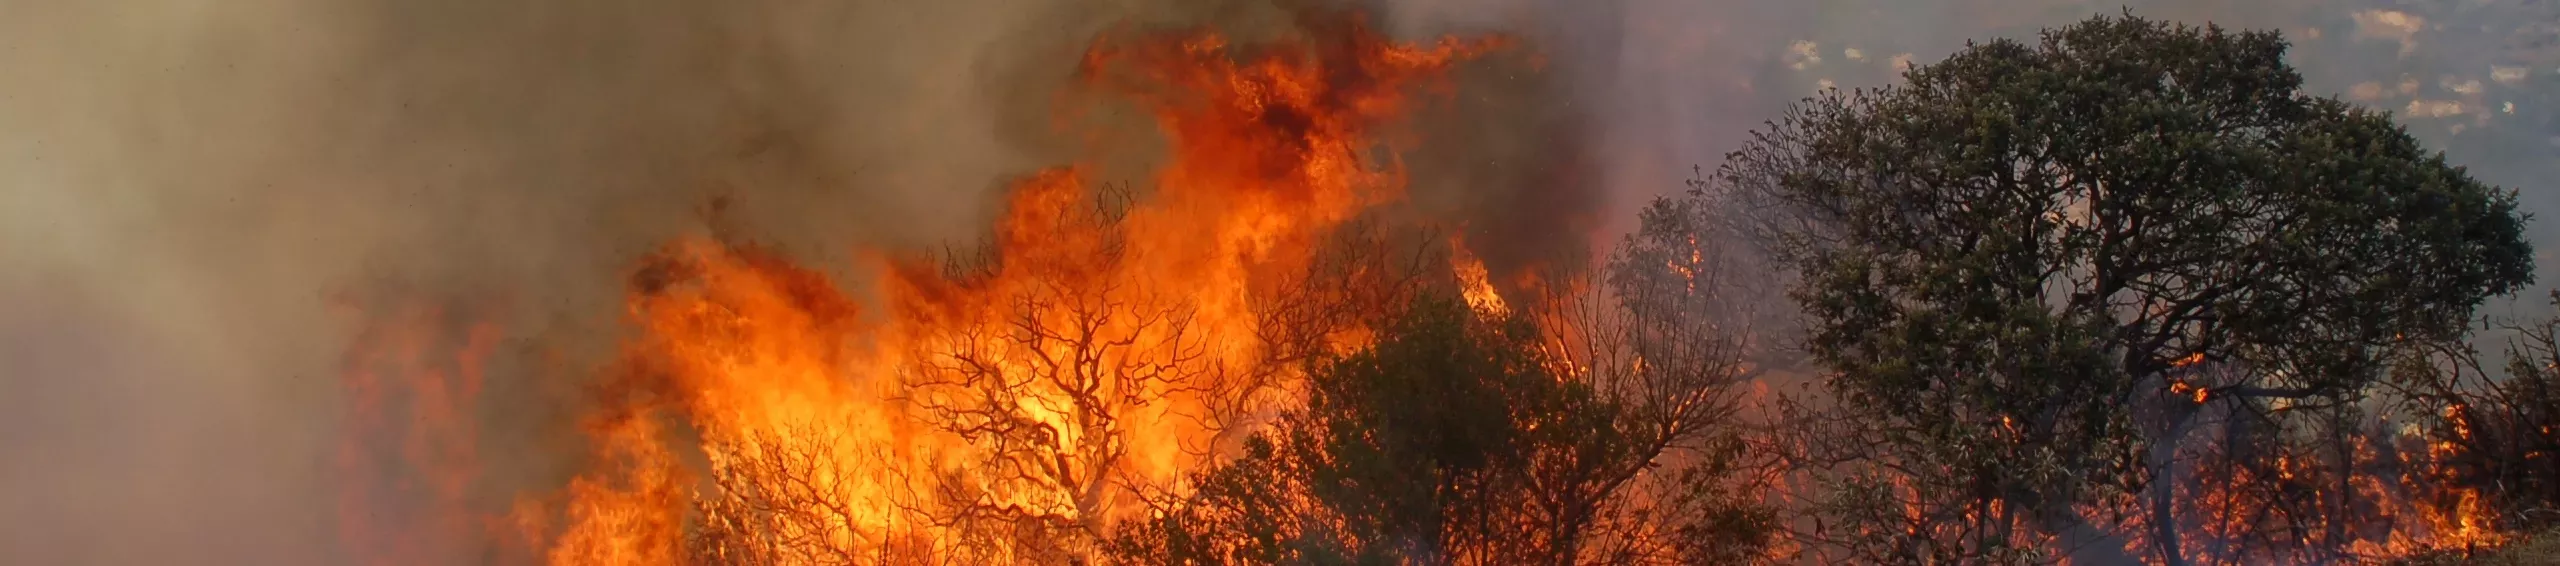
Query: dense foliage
[
  {"x": 2017, "y": 267},
  {"x": 1454, "y": 440}
]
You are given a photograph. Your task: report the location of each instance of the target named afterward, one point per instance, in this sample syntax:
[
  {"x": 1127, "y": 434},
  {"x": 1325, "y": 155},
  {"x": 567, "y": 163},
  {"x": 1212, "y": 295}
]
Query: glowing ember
[
  {"x": 2197, "y": 392},
  {"x": 2313, "y": 496}
]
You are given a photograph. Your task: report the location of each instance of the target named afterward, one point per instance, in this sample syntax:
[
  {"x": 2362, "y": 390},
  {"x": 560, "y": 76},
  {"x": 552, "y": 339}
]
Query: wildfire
[
  {"x": 1102, "y": 349},
  {"x": 2366, "y": 493},
  {"x": 2189, "y": 360},
  {"x": 2197, "y": 392},
  {"x": 407, "y": 455},
  {"x": 1473, "y": 280},
  {"x": 1011, "y": 408}
]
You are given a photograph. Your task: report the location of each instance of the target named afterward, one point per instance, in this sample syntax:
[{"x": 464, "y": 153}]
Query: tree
[
  {"x": 2491, "y": 436},
  {"x": 2012, "y": 264},
  {"x": 1596, "y": 428},
  {"x": 1044, "y": 361},
  {"x": 1452, "y": 441}
]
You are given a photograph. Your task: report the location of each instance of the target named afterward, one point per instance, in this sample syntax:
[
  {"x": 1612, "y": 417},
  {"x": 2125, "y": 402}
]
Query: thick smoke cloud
[{"x": 186, "y": 187}]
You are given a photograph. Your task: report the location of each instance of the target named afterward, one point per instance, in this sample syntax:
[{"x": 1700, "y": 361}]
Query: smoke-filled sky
[{"x": 186, "y": 186}]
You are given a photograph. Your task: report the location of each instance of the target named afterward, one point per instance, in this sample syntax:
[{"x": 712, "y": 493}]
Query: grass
[{"x": 2538, "y": 550}]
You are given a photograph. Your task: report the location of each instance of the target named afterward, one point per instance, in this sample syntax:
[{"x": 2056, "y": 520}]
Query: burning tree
[
  {"x": 1509, "y": 463},
  {"x": 2486, "y": 432},
  {"x": 2127, "y": 282},
  {"x": 1010, "y": 406},
  {"x": 1052, "y": 383},
  {"x": 2032, "y": 267},
  {"x": 1597, "y": 427},
  {"x": 2509, "y": 430}
]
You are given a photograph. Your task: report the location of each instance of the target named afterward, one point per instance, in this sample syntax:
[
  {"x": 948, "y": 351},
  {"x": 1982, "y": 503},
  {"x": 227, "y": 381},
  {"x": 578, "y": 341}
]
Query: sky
[{"x": 188, "y": 186}]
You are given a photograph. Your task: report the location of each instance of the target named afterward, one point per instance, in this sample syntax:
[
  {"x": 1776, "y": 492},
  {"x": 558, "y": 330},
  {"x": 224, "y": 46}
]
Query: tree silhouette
[{"x": 2014, "y": 264}]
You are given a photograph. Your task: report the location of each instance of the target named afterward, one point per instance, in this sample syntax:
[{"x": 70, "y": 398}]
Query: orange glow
[
  {"x": 2190, "y": 359},
  {"x": 1012, "y": 408},
  {"x": 1098, "y": 353},
  {"x": 2313, "y": 503},
  {"x": 2197, "y": 392},
  {"x": 634, "y": 521},
  {"x": 1473, "y": 281},
  {"x": 407, "y": 455}
]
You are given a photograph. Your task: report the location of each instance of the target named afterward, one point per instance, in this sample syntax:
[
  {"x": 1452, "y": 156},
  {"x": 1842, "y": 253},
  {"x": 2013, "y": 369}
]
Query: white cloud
[
  {"x": 2423, "y": 108},
  {"x": 2365, "y": 91},
  {"x": 1803, "y": 54},
  {"x": 2459, "y": 86},
  {"x": 2391, "y": 25},
  {"x": 2506, "y": 75}
]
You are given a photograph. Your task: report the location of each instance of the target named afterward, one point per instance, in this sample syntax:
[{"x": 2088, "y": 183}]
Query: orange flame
[
  {"x": 2189, "y": 360},
  {"x": 1474, "y": 282},
  {"x": 2197, "y": 392},
  {"x": 407, "y": 456},
  {"x": 2359, "y": 495},
  {"x": 1099, "y": 353}
]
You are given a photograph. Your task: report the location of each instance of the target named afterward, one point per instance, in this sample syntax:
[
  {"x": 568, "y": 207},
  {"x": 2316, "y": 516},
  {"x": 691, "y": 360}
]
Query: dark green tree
[
  {"x": 1457, "y": 439},
  {"x": 2015, "y": 265}
]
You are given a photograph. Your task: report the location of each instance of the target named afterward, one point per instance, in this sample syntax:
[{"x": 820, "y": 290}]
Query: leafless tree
[
  {"x": 1047, "y": 368},
  {"x": 781, "y": 498}
]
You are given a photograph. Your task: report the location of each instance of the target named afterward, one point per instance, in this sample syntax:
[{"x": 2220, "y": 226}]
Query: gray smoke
[{"x": 184, "y": 186}]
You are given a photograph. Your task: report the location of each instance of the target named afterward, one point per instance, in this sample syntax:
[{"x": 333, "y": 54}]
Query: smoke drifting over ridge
[{"x": 185, "y": 187}]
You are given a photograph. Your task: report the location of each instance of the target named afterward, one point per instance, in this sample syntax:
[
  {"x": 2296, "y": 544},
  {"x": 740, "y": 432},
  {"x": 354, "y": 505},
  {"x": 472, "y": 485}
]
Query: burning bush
[
  {"x": 1592, "y": 429},
  {"x": 1510, "y": 463},
  {"x": 2487, "y": 436},
  {"x": 1008, "y": 406}
]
